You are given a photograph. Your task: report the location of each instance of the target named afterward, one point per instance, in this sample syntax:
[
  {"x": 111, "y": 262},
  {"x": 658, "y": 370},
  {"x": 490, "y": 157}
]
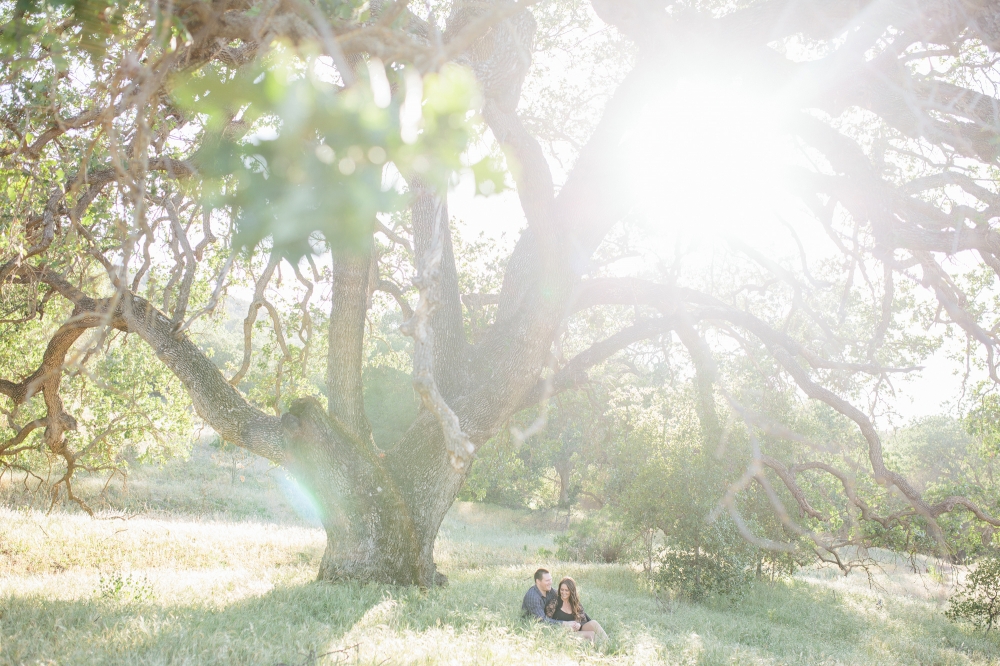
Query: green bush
[
  {"x": 502, "y": 475},
  {"x": 596, "y": 539},
  {"x": 713, "y": 562},
  {"x": 978, "y": 600}
]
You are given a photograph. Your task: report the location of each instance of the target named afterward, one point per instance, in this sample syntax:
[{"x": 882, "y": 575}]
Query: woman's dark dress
[{"x": 568, "y": 617}]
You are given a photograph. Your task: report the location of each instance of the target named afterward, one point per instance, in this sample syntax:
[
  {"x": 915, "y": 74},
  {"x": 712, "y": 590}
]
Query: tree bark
[{"x": 367, "y": 515}]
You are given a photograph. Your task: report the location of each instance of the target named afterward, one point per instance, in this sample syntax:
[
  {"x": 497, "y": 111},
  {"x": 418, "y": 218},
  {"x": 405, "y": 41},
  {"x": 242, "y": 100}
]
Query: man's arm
[{"x": 533, "y": 605}]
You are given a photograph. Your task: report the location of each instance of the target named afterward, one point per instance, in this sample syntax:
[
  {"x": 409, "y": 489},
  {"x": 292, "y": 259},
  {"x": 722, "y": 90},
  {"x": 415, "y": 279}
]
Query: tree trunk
[
  {"x": 564, "y": 467},
  {"x": 381, "y": 510}
]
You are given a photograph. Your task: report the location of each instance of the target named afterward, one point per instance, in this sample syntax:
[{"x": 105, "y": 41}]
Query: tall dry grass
[{"x": 206, "y": 569}]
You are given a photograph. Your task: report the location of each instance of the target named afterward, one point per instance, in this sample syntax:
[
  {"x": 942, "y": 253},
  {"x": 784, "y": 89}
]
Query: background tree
[{"x": 157, "y": 156}]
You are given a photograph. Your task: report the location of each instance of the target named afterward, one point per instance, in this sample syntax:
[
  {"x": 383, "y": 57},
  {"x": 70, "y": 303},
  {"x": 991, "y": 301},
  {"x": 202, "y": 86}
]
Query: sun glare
[{"x": 705, "y": 159}]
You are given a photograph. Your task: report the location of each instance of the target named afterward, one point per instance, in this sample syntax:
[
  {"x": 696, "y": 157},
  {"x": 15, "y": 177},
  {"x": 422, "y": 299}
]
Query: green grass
[{"x": 218, "y": 580}]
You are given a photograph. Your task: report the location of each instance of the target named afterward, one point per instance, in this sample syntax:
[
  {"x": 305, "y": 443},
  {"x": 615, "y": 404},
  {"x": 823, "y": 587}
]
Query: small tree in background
[
  {"x": 978, "y": 601},
  {"x": 660, "y": 486}
]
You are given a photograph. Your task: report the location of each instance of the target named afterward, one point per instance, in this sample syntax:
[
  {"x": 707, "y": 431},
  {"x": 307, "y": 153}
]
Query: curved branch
[
  {"x": 22, "y": 434},
  {"x": 248, "y": 322},
  {"x": 789, "y": 480},
  {"x": 180, "y": 307},
  {"x": 635, "y": 291},
  {"x": 214, "y": 399},
  {"x": 881, "y": 472},
  {"x": 393, "y": 290},
  {"x": 394, "y": 237},
  {"x": 951, "y": 503},
  {"x": 214, "y": 299},
  {"x": 574, "y": 373}
]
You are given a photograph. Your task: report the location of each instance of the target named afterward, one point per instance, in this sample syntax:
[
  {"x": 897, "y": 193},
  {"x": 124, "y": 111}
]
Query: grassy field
[{"x": 206, "y": 568}]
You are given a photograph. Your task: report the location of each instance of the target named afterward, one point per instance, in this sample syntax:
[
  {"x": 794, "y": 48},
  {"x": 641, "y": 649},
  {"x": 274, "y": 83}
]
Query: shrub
[
  {"x": 713, "y": 562},
  {"x": 978, "y": 600},
  {"x": 503, "y": 475},
  {"x": 596, "y": 539}
]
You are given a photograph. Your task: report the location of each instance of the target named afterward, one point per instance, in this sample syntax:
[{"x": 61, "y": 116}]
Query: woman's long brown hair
[{"x": 574, "y": 600}]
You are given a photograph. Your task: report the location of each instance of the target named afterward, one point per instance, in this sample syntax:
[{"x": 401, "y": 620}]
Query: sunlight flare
[{"x": 706, "y": 155}]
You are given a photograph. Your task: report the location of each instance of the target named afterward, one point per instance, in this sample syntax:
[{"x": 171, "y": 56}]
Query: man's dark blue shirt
[{"x": 534, "y": 604}]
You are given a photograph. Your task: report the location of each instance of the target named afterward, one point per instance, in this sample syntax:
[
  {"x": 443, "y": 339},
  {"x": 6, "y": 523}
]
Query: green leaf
[
  {"x": 322, "y": 169},
  {"x": 490, "y": 177}
]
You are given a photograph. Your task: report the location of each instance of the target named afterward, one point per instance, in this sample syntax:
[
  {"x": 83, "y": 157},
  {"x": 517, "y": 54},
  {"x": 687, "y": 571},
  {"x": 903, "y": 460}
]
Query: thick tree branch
[
  {"x": 430, "y": 253},
  {"x": 217, "y": 402},
  {"x": 433, "y": 246},
  {"x": 345, "y": 356},
  {"x": 214, "y": 399}
]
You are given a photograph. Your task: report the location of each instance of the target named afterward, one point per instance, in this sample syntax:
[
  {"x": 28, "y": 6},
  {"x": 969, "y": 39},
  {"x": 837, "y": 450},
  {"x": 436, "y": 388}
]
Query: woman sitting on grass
[{"x": 567, "y": 608}]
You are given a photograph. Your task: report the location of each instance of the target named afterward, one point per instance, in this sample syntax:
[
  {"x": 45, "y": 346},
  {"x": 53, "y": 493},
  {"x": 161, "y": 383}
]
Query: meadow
[{"x": 208, "y": 562}]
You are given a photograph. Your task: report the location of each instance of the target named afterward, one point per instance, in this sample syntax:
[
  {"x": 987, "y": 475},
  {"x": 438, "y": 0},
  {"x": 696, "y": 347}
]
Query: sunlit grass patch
[
  {"x": 225, "y": 590},
  {"x": 32, "y": 542}
]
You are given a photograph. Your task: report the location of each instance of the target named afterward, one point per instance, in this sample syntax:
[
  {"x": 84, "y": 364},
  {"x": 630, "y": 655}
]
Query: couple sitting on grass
[{"x": 563, "y": 608}]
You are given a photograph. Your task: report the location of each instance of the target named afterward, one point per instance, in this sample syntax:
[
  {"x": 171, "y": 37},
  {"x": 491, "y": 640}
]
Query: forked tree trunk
[{"x": 381, "y": 510}]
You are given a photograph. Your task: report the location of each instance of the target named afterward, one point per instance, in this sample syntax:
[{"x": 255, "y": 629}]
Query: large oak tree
[{"x": 154, "y": 153}]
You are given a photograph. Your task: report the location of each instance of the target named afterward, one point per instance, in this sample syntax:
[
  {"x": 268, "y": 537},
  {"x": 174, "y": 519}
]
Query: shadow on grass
[
  {"x": 288, "y": 624},
  {"x": 477, "y": 620},
  {"x": 284, "y": 625}
]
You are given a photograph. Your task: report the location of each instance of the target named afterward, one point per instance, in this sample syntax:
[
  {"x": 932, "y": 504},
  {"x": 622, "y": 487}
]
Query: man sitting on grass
[{"x": 540, "y": 594}]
